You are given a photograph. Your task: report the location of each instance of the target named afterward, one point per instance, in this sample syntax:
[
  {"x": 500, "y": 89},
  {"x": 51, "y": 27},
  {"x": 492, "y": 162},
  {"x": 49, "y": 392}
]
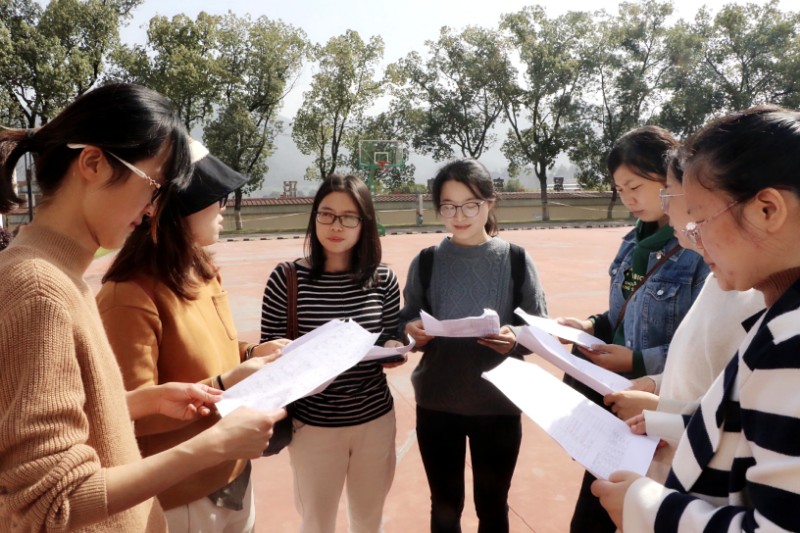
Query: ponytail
[{"x": 14, "y": 143}]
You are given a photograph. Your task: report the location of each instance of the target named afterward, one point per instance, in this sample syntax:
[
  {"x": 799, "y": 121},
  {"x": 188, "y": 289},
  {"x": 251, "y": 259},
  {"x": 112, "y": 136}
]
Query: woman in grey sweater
[{"x": 473, "y": 270}]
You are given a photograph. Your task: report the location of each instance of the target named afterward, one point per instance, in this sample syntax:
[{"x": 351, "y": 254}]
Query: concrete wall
[{"x": 403, "y": 213}]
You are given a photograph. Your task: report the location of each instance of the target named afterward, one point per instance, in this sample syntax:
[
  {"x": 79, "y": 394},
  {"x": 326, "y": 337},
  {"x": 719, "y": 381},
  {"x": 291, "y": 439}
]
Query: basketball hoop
[{"x": 383, "y": 167}]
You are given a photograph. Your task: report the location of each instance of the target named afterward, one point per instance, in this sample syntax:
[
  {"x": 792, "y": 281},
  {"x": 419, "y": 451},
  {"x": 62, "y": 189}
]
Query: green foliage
[
  {"x": 341, "y": 90},
  {"x": 745, "y": 55},
  {"x": 542, "y": 104},
  {"x": 259, "y": 61},
  {"x": 513, "y": 185},
  {"x": 181, "y": 61},
  {"x": 450, "y": 92},
  {"x": 50, "y": 55}
]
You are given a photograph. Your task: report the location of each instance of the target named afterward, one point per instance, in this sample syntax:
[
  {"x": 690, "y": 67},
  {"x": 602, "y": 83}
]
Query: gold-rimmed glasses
[
  {"x": 664, "y": 197},
  {"x": 692, "y": 229},
  {"x": 133, "y": 168}
]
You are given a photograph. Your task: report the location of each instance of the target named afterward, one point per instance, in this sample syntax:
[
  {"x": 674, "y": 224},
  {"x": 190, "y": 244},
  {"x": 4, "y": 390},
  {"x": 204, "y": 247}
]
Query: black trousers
[
  {"x": 589, "y": 516},
  {"x": 494, "y": 443}
]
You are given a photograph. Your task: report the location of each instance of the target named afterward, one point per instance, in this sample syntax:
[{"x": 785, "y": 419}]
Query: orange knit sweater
[
  {"x": 63, "y": 413},
  {"x": 159, "y": 337}
]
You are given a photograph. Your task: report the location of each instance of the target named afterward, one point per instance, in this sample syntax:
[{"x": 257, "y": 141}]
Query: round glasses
[
  {"x": 468, "y": 209},
  {"x": 664, "y": 197},
  {"x": 347, "y": 221},
  {"x": 692, "y": 229}
]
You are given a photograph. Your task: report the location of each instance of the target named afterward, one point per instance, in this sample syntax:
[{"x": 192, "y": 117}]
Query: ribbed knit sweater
[
  {"x": 466, "y": 280},
  {"x": 63, "y": 413}
]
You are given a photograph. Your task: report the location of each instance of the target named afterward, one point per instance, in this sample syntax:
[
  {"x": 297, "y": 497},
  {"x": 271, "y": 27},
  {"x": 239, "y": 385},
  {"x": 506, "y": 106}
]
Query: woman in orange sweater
[{"x": 168, "y": 319}]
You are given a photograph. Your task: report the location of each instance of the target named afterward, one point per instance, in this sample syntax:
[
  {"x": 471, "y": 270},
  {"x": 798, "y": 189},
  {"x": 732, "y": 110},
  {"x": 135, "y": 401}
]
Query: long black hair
[
  {"x": 644, "y": 151},
  {"x": 367, "y": 253},
  {"x": 130, "y": 121}
]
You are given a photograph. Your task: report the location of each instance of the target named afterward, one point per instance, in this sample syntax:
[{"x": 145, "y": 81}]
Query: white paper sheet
[
  {"x": 379, "y": 352},
  {"x": 474, "y": 326},
  {"x": 304, "y": 366},
  {"x": 598, "y": 440},
  {"x": 574, "y": 335},
  {"x": 550, "y": 349}
]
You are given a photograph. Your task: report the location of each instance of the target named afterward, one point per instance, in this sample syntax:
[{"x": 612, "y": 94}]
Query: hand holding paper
[
  {"x": 595, "y": 438},
  {"x": 546, "y": 346},
  {"x": 581, "y": 338},
  {"x": 307, "y": 363},
  {"x": 379, "y": 352}
]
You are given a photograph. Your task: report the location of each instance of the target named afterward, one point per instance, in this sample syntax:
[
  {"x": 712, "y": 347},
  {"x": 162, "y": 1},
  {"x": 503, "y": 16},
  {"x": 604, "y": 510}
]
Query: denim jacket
[{"x": 656, "y": 309}]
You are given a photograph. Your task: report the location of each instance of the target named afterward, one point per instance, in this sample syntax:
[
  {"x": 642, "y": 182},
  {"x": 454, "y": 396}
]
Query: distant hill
[{"x": 288, "y": 163}]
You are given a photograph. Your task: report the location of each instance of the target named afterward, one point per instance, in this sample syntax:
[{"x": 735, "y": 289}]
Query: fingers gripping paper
[
  {"x": 304, "y": 366},
  {"x": 595, "y": 438}
]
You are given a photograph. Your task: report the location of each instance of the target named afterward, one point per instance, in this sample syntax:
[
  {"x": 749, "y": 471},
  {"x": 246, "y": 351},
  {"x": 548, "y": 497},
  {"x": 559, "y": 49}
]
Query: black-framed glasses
[
  {"x": 664, "y": 197},
  {"x": 157, "y": 189},
  {"x": 327, "y": 218},
  {"x": 692, "y": 229},
  {"x": 223, "y": 201},
  {"x": 468, "y": 209}
]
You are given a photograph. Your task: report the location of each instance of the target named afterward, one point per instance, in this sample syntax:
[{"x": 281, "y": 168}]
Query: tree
[
  {"x": 388, "y": 125},
  {"x": 179, "y": 60},
  {"x": 341, "y": 91},
  {"x": 540, "y": 104},
  {"x": 745, "y": 55},
  {"x": 632, "y": 59},
  {"x": 453, "y": 91},
  {"x": 50, "y": 55},
  {"x": 259, "y": 61}
]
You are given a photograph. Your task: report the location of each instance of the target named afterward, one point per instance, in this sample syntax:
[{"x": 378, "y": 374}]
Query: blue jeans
[{"x": 494, "y": 443}]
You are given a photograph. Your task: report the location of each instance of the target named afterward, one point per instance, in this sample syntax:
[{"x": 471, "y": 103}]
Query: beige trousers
[{"x": 323, "y": 459}]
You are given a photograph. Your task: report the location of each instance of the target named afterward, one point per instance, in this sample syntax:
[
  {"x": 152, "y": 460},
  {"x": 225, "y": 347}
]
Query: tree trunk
[
  {"x": 610, "y": 213},
  {"x": 543, "y": 190},
  {"x": 237, "y": 209}
]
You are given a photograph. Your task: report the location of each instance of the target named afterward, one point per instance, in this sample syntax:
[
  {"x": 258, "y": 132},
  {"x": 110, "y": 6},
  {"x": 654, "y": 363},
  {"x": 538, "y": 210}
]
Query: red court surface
[{"x": 573, "y": 266}]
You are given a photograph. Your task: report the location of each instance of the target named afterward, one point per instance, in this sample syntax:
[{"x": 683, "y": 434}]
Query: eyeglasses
[
  {"x": 692, "y": 229},
  {"x": 664, "y": 198},
  {"x": 348, "y": 221},
  {"x": 223, "y": 201},
  {"x": 468, "y": 209},
  {"x": 139, "y": 172}
]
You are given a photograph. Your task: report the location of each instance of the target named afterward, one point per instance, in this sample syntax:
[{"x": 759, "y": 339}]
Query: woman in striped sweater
[
  {"x": 737, "y": 467},
  {"x": 346, "y": 432}
]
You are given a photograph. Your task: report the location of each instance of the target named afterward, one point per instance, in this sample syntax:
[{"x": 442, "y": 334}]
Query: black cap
[{"x": 211, "y": 181}]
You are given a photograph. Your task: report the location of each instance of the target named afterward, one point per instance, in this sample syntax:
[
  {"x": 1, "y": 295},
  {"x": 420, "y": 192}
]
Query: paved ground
[{"x": 573, "y": 267}]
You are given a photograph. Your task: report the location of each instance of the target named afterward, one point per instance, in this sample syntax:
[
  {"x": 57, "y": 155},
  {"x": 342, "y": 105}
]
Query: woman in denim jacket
[{"x": 653, "y": 284}]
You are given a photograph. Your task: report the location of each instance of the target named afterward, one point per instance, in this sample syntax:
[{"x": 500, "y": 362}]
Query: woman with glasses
[
  {"x": 654, "y": 282},
  {"x": 698, "y": 352},
  {"x": 736, "y": 467},
  {"x": 168, "y": 319},
  {"x": 345, "y": 434},
  {"x": 472, "y": 269},
  {"x": 69, "y": 460}
]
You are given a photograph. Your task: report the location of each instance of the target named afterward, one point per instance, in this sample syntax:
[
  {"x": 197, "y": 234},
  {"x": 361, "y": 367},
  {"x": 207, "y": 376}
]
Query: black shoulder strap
[
  {"x": 517, "y": 273},
  {"x": 425, "y": 273}
]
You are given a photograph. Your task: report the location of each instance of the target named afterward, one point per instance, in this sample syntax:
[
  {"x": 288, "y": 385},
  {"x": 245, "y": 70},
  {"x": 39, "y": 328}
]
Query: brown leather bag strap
[
  {"x": 292, "y": 331},
  {"x": 642, "y": 281}
]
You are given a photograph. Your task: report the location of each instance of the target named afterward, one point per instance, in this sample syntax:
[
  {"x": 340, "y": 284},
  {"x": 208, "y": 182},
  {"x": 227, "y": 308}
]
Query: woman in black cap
[{"x": 168, "y": 319}]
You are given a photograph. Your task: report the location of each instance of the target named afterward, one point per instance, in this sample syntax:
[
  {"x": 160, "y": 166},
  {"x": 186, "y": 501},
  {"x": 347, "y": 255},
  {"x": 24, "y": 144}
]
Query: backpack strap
[
  {"x": 518, "y": 267},
  {"x": 425, "y": 273}
]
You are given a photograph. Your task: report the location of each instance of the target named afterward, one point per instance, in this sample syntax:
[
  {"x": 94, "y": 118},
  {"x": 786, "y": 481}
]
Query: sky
[{"x": 405, "y": 25}]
